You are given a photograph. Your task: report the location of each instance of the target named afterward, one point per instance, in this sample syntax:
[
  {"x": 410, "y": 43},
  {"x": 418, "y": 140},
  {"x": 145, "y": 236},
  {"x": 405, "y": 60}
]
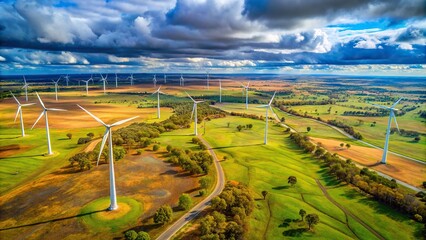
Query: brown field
[
  {"x": 48, "y": 206},
  {"x": 399, "y": 168}
]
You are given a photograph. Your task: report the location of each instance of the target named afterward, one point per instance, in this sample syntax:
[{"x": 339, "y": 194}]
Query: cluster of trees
[
  {"x": 229, "y": 216},
  {"x": 422, "y": 114},
  {"x": 405, "y": 133},
  {"x": 350, "y": 130},
  {"x": 194, "y": 162},
  {"x": 84, "y": 139},
  {"x": 133, "y": 235},
  {"x": 365, "y": 113},
  {"x": 370, "y": 182},
  {"x": 200, "y": 143},
  {"x": 247, "y": 126},
  {"x": 246, "y": 115},
  {"x": 163, "y": 215},
  {"x": 83, "y": 160},
  {"x": 311, "y": 219},
  {"x": 306, "y": 102}
]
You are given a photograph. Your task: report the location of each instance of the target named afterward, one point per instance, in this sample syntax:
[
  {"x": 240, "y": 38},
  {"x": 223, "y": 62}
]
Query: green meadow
[{"x": 267, "y": 167}]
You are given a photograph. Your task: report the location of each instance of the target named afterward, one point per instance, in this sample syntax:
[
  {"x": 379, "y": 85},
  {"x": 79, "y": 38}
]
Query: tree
[
  {"x": 163, "y": 214},
  {"x": 308, "y": 129},
  {"x": 69, "y": 135},
  {"x": 131, "y": 235},
  {"x": 348, "y": 145},
  {"x": 312, "y": 219},
  {"x": 239, "y": 127},
  {"x": 282, "y": 119},
  {"x": 292, "y": 180},
  {"x": 417, "y": 139},
  {"x": 169, "y": 148},
  {"x": 185, "y": 201},
  {"x": 205, "y": 182},
  {"x": 264, "y": 193},
  {"x": 119, "y": 153},
  {"x": 342, "y": 144},
  {"x": 302, "y": 213},
  {"x": 155, "y": 147},
  {"x": 90, "y": 135},
  {"x": 143, "y": 236}
]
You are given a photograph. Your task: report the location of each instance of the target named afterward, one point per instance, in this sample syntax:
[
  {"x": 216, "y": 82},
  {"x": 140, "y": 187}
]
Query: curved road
[{"x": 220, "y": 184}]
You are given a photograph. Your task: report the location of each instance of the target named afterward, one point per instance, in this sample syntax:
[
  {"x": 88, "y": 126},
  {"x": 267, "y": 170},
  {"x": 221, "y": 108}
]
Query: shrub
[
  {"x": 155, "y": 147},
  {"x": 139, "y": 151},
  {"x": 202, "y": 192},
  {"x": 69, "y": 135},
  {"x": 418, "y": 217},
  {"x": 185, "y": 201},
  {"x": 131, "y": 235},
  {"x": 84, "y": 140},
  {"x": 169, "y": 148},
  {"x": 163, "y": 214}
]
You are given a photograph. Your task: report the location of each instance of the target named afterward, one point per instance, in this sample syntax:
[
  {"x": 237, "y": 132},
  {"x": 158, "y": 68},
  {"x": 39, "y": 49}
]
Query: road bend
[{"x": 195, "y": 211}]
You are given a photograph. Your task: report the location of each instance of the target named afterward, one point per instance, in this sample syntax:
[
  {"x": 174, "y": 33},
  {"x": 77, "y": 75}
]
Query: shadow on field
[
  {"x": 281, "y": 187},
  {"x": 26, "y": 156},
  {"x": 52, "y": 220},
  {"x": 296, "y": 225},
  {"x": 247, "y": 145}
]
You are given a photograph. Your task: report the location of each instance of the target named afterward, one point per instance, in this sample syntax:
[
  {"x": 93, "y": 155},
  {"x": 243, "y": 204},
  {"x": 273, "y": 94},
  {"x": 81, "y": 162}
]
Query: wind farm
[{"x": 269, "y": 120}]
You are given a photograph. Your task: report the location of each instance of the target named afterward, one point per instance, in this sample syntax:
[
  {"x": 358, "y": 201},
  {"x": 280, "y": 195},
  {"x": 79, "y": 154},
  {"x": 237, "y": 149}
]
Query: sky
[{"x": 351, "y": 37}]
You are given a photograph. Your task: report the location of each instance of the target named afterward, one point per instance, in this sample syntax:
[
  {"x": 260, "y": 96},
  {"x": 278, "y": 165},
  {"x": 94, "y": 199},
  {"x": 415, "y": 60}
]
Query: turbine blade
[
  {"x": 104, "y": 138},
  {"x": 15, "y": 98},
  {"x": 393, "y": 105},
  {"x": 55, "y": 109},
  {"x": 193, "y": 109},
  {"x": 263, "y": 106},
  {"x": 190, "y": 97},
  {"x": 27, "y": 104},
  {"x": 17, "y": 112},
  {"x": 380, "y": 106},
  {"x": 123, "y": 121},
  {"x": 93, "y": 116},
  {"x": 272, "y": 98},
  {"x": 25, "y": 80},
  {"x": 41, "y": 102},
  {"x": 41, "y": 115},
  {"x": 394, "y": 118}
]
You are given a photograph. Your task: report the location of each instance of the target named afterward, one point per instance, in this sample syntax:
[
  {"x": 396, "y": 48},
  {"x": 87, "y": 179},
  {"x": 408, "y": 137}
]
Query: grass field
[{"x": 268, "y": 167}]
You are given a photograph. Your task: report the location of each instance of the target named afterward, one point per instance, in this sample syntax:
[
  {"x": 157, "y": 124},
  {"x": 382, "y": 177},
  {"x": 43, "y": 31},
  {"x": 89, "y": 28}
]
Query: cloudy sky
[{"x": 376, "y": 37}]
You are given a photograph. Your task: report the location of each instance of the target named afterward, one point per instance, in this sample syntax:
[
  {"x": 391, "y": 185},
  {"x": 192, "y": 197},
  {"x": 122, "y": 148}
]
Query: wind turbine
[
  {"x": 25, "y": 87},
  {"x": 131, "y": 79},
  {"x": 67, "y": 79},
  {"x": 104, "y": 80},
  {"x": 116, "y": 80},
  {"x": 56, "y": 87},
  {"x": 19, "y": 111},
  {"x": 194, "y": 110},
  {"x": 391, "y": 115},
  {"x": 268, "y": 106},
  {"x": 158, "y": 101},
  {"x": 181, "y": 81},
  {"x": 108, "y": 134},
  {"x": 87, "y": 85},
  {"x": 45, "y": 110},
  {"x": 165, "y": 78},
  {"x": 154, "y": 80},
  {"x": 246, "y": 88},
  {"x": 220, "y": 90}
]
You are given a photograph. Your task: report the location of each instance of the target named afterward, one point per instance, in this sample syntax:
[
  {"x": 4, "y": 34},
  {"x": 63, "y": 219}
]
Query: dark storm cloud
[
  {"x": 411, "y": 34},
  {"x": 290, "y": 14}
]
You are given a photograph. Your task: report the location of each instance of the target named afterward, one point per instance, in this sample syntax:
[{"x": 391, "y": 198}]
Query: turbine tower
[
  {"x": 158, "y": 92},
  {"x": 67, "y": 79},
  {"x": 45, "y": 110},
  {"x": 116, "y": 80},
  {"x": 388, "y": 130},
  {"x": 19, "y": 111},
  {"x": 104, "y": 80},
  {"x": 220, "y": 90},
  {"x": 246, "y": 88},
  {"x": 268, "y": 106},
  {"x": 56, "y": 87},
  {"x": 25, "y": 87},
  {"x": 87, "y": 85},
  {"x": 165, "y": 78},
  {"x": 194, "y": 113},
  {"x": 208, "y": 78},
  {"x": 154, "y": 80},
  {"x": 181, "y": 81},
  {"x": 108, "y": 134}
]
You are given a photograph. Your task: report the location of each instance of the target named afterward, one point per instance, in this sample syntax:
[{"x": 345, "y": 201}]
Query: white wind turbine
[
  {"x": 181, "y": 81},
  {"x": 268, "y": 106},
  {"x": 56, "y": 87},
  {"x": 19, "y": 111},
  {"x": 25, "y": 87},
  {"x": 131, "y": 79},
  {"x": 116, "y": 80},
  {"x": 154, "y": 80},
  {"x": 246, "y": 88},
  {"x": 220, "y": 90},
  {"x": 45, "y": 110},
  {"x": 87, "y": 85},
  {"x": 158, "y": 92},
  {"x": 108, "y": 134},
  {"x": 165, "y": 78},
  {"x": 67, "y": 79},
  {"x": 388, "y": 130},
  {"x": 194, "y": 113},
  {"x": 208, "y": 79},
  {"x": 104, "y": 80}
]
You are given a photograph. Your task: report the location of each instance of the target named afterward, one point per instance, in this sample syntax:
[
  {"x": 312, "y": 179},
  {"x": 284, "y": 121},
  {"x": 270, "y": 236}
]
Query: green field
[{"x": 268, "y": 167}]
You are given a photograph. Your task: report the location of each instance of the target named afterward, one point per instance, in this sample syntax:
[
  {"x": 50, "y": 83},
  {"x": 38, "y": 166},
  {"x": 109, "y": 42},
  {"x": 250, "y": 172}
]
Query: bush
[
  {"x": 163, "y": 214},
  {"x": 90, "y": 135},
  {"x": 131, "y": 235},
  {"x": 155, "y": 147},
  {"x": 84, "y": 140},
  {"x": 169, "y": 148},
  {"x": 418, "y": 217},
  {"x": 69, "y": 135},
  {"x": 139, "y": 151},
  {"x": 205, "y": 182},
  {"x": 202, "y": 192},
  {"x": 185, "y": 201},
  {"x": 143, "y": 236}
]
